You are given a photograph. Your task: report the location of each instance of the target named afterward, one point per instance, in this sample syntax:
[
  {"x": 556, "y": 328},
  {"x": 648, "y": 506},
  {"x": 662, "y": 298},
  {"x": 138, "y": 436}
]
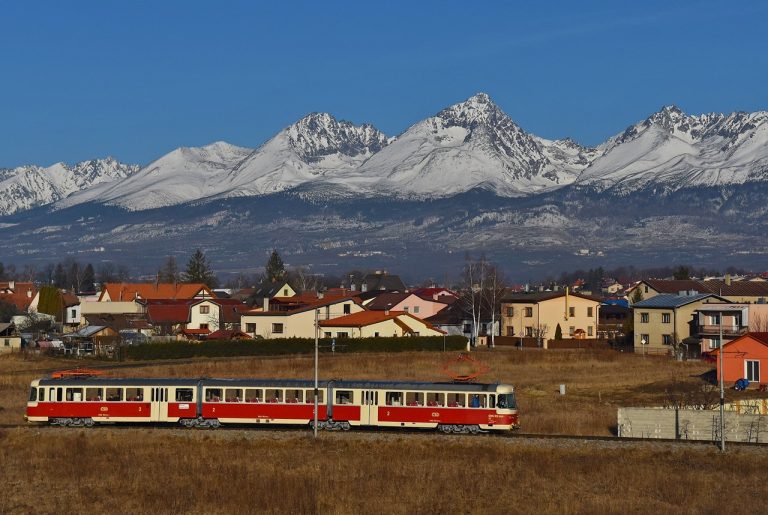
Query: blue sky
[{"x": 137, "y": 79}]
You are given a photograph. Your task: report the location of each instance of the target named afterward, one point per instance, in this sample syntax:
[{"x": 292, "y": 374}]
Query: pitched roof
[
  {"x": 387, "y": 301},
  {"x": 320, "y": 303},
  {"x": 168, "y": 311},
  {"x": 760, "y": 337},
  {"x": 131, "y": 291},
  {"x": 735, "y": 288},
  {"x": 360, "y": 319},
  {"x": 383, "y": 281},
  {"x": 673, "y": 301},
  {"x": 528, "y": 298},
  {"x": 18, "y": 294},
  {"x": 226, "y": 334}
]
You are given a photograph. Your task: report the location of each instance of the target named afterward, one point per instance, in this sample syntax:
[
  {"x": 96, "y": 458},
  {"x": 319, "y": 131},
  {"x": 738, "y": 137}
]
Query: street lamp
[
  {"x": 317, "y": 345},
  {"x": 722, "y": 389}
]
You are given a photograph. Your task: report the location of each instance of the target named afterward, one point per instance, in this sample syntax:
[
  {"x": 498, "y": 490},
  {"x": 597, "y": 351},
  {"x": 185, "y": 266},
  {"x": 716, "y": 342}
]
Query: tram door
[
  {"x": 370, "y": 408},
  {"x": 159, "y": 403}
]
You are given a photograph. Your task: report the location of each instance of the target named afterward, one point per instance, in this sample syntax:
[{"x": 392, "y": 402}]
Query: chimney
[
  {"x": 29, "y": 294},
  {"x": 727, "y": 279},
  {"x": 320, "y": 295},
  {"x": 11, "y": 285},
  {"x": 265, "y": 303}
]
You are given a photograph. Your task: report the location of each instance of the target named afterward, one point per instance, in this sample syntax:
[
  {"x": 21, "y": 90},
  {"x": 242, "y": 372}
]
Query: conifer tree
[
  {"x": 199, "y": 270},
  {"x": 275, "y": 269},
  {"x": 558, "y": 332},
  {"x": 89, "y": 277},
  {"x": 59, "y": 276}
]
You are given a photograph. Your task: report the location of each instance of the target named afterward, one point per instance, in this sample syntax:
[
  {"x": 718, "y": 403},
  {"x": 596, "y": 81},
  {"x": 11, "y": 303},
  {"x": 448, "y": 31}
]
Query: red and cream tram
[{"x": 448, "y": 407}]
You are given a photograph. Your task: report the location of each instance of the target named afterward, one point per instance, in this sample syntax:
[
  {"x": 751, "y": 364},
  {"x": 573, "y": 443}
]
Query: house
[
  {"x": 367, "y": 324},
  {"x": 745, "y": 292},
  {"x": 298, "y": 322},
  {"x": 20, "y": 294},
  {"x": 455, "y": 320},
  {"x": 121, "y": 292},
  {"x": 10, "y": 339},
  {"x": 443, "y": 295},
  {"x": 407, "y": 302},
  {"x": 730, "y": 320},
  {"x": 215, "y": 314},
  {"x": 744, "y": 357},
  {"x": 380, "y": 280},
  {"x": 262, "y": 295},
  {"x": 665, "y": 320},
  {"x": 537, "y": 315},
  {"x": 612, "y": 321}
]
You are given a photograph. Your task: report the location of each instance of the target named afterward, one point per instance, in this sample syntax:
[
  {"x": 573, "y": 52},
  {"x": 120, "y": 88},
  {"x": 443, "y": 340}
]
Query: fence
[
  {"x": 570, "y": 343},
  {"x": 690, "y": 424}
]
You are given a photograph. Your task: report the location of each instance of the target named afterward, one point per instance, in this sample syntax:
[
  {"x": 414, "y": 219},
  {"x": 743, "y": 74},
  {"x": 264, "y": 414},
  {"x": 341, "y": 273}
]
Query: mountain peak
[{"x": 318, "y": 135}]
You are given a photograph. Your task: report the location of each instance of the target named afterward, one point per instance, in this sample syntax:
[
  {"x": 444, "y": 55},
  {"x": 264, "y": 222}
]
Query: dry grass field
[{"x": 145, "y": 470}]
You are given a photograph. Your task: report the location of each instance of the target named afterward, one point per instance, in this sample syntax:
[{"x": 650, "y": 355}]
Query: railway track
[{"x": 394, "y": 431}]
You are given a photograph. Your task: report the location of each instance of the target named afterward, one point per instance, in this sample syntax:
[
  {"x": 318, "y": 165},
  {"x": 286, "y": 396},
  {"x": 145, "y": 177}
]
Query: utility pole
[
  {"x": 317, "y": 344},
  {"x": 722, "y": 388}
]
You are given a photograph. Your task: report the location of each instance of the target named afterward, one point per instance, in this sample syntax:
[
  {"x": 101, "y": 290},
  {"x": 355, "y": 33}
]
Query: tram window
[
  {"x": 394, "y": 398},
  {"x": 491, "y": 401},
  {"x": 134, "y": 394},
  {"x": 343, "y": 396},
  {"x": 294, "y": 396},
  {"x": 74, "y": 394},
  {"x": 184, "y": 394},
  {"x": 234, "y": 394},
  {"x": 477, "y": 400},
  {"x": 59, "y": 394},
  {"x": 414, "y": 399},
  {"x": 435, "y": 399},
  {"x": 41, "y": 396},
  {"x": 94, "y": 394},
  {"x": 274, "y": 395},
  {"x": 212, "y": 394},
  {"x": 311, "y": 396},
  {"x": 114, "y": 394},
  {"x": 507, "y": 401},
  {"x": 33, "y": 395},
  {"x": 456, "y": 400},
  {"x": 254, "y": 395}
]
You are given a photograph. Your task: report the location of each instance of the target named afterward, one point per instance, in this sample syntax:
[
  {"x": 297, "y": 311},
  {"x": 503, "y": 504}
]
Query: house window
[
  {"x": 715, "y": 319},
  {"x": 73, "y": 314},
  {"x": 203, "y": 326},
  {"x": 250, "y": 328},
  {"x": 529, "y": 331},
  {"x": 467, "y": 328},
  {"x": 529, "y": 312},
  {"x": 510, "y": 330},
  {"x": 405, "y": 308},
  {"x": 327, "y": 334},
  {"x": 714, "y": 343},
  {"x": 645, "y": 339},
  {"x": 589, "y": 330},
  {"x": 590, "y": 310},
  {"x": 285, "y": 292},
  {"x": 666, "y": 339},
  {"x": 666, "y": 318},
  {"x": 572, "y": 311},
  {"x": 646, "y": 289},
  {"x": 277, "y": 328},
  {"x": 342, "y": 335},
  {"x": 572, "y": 330},
  {"x": 7, "y": 342},
  {"x": 415, "y": 309},
  {"x": 347, "y": 309},
  {"x": 376, "y": 335},
  {"x": 510, "y": 311},
  {"x": 752, "y": 370},
  {"x": 204, "y": 310},
  {"x": 644, "y": 318}
]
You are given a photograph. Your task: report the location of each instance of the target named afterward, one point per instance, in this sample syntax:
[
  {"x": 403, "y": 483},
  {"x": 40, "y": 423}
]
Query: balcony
[{"x": 729, "y": 330}]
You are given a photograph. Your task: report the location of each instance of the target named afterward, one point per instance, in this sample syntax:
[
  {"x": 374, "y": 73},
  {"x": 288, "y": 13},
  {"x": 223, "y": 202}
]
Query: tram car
[{"x": 447, "y": 407}]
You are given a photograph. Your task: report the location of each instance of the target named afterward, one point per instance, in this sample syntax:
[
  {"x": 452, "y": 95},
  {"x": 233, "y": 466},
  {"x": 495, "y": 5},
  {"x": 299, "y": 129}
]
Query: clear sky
[{"x": 135, "y": 80}]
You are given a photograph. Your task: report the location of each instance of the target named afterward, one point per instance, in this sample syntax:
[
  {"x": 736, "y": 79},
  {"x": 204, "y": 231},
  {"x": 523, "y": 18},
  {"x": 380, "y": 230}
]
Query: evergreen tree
[
  {"x": 89, "y": 277},
  {"x": 51, "y": 302},
  {"x": 275, "y": 268},
  {"x": 8, "y": 311},
  {"x": 2, "y": 271},
  {"x": 558, "y": 332},
  {"x": 59, "y": 276},
  {"x": 199, "y": 270},
  {"x": 682, "y": 272},
  {"x": 637, "y": 296}
]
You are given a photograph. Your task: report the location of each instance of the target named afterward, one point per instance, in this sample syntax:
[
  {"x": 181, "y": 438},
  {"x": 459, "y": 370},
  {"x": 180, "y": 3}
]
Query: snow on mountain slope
[
  {"x": 468, "y": 145},
  {"x": 27, "y": 187},
  {"x": 671, "y": 150}
]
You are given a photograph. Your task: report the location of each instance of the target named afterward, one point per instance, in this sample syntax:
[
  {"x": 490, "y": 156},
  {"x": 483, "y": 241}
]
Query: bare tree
[
  {"x": 302, "y": 279},
  {"x": 495, "y": 287},
  {"x": 474, "y": 281}
]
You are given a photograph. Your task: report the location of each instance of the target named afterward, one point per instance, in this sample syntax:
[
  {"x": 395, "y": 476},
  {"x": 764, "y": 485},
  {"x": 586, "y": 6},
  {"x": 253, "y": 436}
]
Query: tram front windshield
[{"x": 507, "y": 401}]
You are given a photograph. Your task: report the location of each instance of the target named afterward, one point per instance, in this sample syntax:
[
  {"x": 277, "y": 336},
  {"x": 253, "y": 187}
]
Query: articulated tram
[{"x": 206, "y": 402}]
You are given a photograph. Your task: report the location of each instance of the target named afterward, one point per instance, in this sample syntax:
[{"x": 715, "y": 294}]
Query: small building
[
  {"x": 417, "y": 306},
  {"x": 744, "y": 358},
  {"x": 10, "y": 340}
]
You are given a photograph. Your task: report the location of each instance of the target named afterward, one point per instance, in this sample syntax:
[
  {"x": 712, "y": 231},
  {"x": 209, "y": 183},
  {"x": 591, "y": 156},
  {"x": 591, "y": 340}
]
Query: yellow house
[
  {"x": 537, "y": 315},
  {"x": 371, "y": 324},
  {"x": 296, "y": 323},
  {"x": 665, "y": 320},
  {"x": 744, "y": 292}
]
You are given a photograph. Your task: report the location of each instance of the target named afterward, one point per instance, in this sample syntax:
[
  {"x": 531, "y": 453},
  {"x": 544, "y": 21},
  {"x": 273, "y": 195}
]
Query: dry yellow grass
[{"x": 160, "y": 471}]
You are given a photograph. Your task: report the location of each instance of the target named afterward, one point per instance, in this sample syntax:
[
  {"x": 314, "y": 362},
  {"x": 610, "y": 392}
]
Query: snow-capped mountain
[
  {"x": 672, "y": 150},
  {"x": 27, "y": 187},
  {"x": 472, "y": 144}
]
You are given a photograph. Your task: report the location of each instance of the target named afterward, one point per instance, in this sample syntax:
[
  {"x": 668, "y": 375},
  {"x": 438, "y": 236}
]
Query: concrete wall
[{"x": 687, "y": 424}]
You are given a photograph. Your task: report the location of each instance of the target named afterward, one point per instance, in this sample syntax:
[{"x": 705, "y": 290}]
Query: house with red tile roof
[
  {"x": 371, "y": 324},
  {"x": 20, "y": 294},
  {"x": 123, "y": 292}
]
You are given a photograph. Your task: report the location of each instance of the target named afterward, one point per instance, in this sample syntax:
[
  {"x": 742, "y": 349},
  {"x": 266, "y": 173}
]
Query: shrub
[{"x": 282, "y": 346}]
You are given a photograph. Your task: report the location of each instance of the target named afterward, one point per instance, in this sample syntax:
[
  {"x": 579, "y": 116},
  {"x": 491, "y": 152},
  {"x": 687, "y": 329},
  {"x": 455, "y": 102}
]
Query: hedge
[{"x": 282, "y": 346}]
